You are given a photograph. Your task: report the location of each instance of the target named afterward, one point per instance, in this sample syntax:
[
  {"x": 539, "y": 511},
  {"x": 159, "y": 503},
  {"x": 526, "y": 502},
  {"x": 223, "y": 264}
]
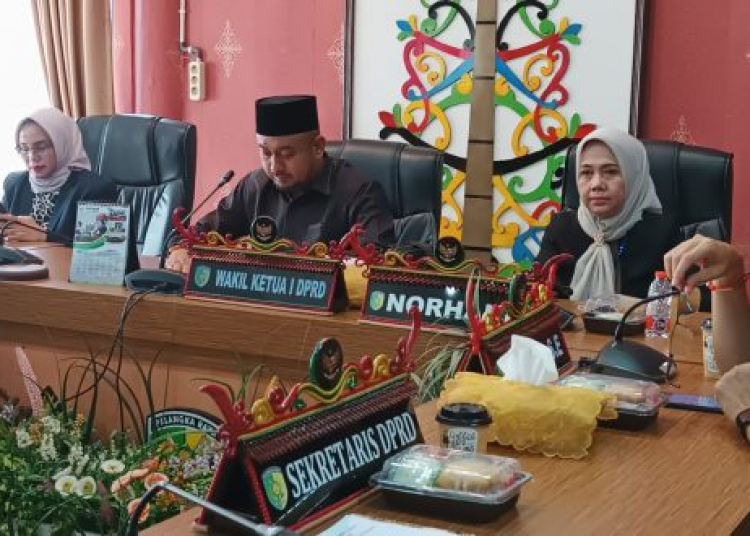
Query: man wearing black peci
[{"x": 309, "y": 195}]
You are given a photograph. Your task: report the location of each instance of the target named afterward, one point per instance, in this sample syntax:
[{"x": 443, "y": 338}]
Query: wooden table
[
  {"x": 689, "y": 473},
  {"x": 63, "y": 315},
  {"x": 56, "y": 322}
]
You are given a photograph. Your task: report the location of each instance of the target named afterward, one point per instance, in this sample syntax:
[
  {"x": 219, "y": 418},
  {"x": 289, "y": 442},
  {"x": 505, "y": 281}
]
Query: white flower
[
  {"x": 60, "y": 474},
  {"x": 76, "y": 453},
  {"x": 82, "y": 463},
  {"x": 8, "y": 412},
  {"x": 86, "y": 487},
  {"x": 113, "y": 467},
  {"x": 47, "y": 448},
  {"x": 23, "y": 438},
  {"x": 66, "y": 485},
  {"x": 51, "y": 425}
]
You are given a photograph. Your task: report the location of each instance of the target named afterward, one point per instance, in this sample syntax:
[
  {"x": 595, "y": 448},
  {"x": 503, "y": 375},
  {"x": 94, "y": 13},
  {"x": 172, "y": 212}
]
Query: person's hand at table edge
[
  {"x": 178, "y": 260},
  {"x": 28, "y": 231}
]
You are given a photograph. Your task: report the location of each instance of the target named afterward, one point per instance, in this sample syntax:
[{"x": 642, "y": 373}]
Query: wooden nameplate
[
  {"x": 297, "y": 455},
  {"x": 454, "y": 295},
  {"x": 272, "y": 273},
  {"x": 272, "y": 279}
]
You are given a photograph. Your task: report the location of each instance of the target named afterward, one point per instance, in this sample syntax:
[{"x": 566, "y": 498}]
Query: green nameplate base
[
  {"x": 466, "y": 297},
  {"x": 279, "y": 275},
  {"x": 273, "y": 280},
  {"x": 392, "y": 292}
]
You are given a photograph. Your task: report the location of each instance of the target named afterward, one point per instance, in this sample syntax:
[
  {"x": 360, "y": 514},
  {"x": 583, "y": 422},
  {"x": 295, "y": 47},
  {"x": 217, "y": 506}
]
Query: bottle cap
[
  {"x": 464, "y": 414},
  {"x": 660, "y": 274}
]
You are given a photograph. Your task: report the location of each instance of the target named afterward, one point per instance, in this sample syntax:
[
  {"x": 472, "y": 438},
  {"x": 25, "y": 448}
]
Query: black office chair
[
  {"x": 411, "y": 177},
  {"x": 694, "y": 185},
  {"x": 152, "y": 161}
]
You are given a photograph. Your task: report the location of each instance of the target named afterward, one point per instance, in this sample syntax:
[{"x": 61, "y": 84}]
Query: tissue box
[{"x": 638, "y": 402}]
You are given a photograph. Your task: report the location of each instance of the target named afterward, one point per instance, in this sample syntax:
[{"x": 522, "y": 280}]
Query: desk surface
[
  {"x": 76, "y": 313},
  {"x": 197, "y": 330},
  {"x": 689, "y": 473}
]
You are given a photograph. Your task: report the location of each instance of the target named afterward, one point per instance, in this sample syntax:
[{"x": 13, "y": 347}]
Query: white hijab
[
  {"x": 594, "y": 273},
  {"x": 66, "y": 139}
]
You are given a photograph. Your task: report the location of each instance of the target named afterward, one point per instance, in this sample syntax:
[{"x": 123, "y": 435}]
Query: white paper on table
[{"x": 357, "y": 525}]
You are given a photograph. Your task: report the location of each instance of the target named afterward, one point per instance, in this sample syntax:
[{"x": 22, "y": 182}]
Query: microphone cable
[{"x": 99, "y": 375}]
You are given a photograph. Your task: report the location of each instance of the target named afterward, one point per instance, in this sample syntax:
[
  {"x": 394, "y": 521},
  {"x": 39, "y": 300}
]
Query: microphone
[
  {"x": 10, "y": 255},
  {"x": 631, "y": 359},
  {"x": 168, "y": 281},
  {"x": 228, "y": 176},
  {"x": 57, "y": 236},
  {"x": 246, "y": 525},
  {"x": 222, "y": 181}
]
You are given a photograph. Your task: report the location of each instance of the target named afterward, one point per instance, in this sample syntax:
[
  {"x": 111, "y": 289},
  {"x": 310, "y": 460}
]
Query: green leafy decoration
[
  {"x": 429, "y": 26},
  {"x": 430, "y": 377},
  {"x": 543, "y": 191},
  {"x": 447, "y": 176},
  {"x": 547, "y": 27},
  {"x": 575, "y": 122},
  {"x": 397, "y": 115}
]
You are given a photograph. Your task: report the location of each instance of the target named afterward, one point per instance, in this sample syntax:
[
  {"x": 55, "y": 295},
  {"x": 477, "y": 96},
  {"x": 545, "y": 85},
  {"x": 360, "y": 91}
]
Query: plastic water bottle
[{"x": 657, "y": 311}]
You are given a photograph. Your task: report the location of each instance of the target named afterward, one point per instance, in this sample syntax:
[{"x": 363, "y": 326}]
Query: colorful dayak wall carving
[{"x": 533, "y": 127}]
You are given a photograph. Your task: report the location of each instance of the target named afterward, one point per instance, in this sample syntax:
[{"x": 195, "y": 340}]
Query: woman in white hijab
[
  {"x": 43, "y": 199},
  {"x": 614, "y": 235}
]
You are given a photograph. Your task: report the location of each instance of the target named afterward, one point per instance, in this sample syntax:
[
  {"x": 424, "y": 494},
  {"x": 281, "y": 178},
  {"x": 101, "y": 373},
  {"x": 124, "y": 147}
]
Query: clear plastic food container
[
  {"x": 451, "y": 483},
  {"x": 638, "y": 401}
]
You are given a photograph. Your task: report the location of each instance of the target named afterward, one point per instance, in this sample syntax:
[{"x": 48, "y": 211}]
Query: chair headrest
[
  {"x": 126, "y": 151},
  {"x": 139, "y": 150}
]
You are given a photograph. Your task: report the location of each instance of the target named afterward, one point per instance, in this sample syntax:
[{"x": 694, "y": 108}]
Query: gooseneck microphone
[
  {"x": 240, "y": 523},
  {"x": 631, "y": 359},
  {"x": 10, "y": 255},
  {"x": 9, "y": 223},
  {"x": 168, "y": 281},
  {"x": 165, "y": 245},
  {"x": 228, "y": 176}
]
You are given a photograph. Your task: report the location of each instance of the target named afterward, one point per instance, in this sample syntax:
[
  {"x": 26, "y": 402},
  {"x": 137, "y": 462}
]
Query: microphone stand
[
  {"x": 10, "y": 255},
  {"x": 624, "y": 358},
  {"x": 636, "y": 305},
  {"x": 247, "y": 525},
  {"x": 169, "y": 281},
  {"x": 165, "y": 245},
  {"x": 9, "y": 223}
]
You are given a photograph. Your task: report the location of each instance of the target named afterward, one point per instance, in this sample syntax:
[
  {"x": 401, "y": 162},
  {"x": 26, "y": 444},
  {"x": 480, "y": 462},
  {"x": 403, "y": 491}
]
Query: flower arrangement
[{"x": 51, "y": 475}]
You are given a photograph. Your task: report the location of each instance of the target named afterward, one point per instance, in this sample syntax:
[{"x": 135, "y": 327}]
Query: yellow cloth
[{"x": 548, "y": 419}]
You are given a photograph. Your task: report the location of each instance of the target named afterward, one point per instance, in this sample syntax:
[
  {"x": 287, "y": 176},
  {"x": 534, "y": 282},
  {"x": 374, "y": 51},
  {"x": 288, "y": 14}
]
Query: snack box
[
  {"x": 442, "y": 482},
  {"x": 638, "y": 401}
]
